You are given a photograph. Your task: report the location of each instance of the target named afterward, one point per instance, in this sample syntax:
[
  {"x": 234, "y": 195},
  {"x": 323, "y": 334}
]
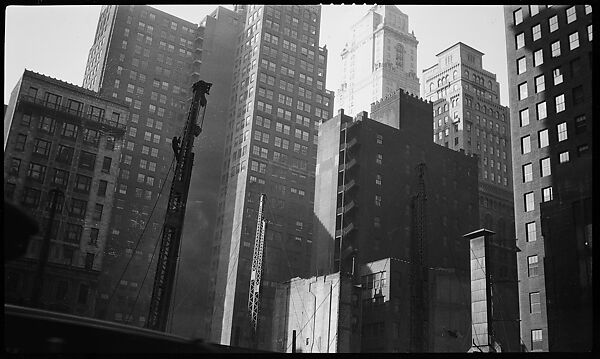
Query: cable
[
  {"x": 146, "y": 275},
  {"x": 140, "y": 237}
]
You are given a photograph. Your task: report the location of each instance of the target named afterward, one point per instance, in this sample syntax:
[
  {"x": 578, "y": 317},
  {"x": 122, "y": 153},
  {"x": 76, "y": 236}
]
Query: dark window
[
  {"x": 32, "y": 92},
  {"x": 36, "y": 171},
  {"x": 575, "y": 68},
  {"x": 75, "y": 107},
  {"x": 15, "y": 166},
  {"x": 102, "y": 188},
  {"x": 78, "y": 208},
  {"x": 20, "y": 142},
  {"x": 72, "y": 233},
  {"x": 47, "y": 124},
  {"x": 580, "y": 125},
  {"x": 68, "y": 252},
  {"x": 106, "y": 164},
  {"x": 62, "y": 288},
  {"x": 91, "y": 137},
  {"x": 9, "y": 190},
  {"x": 83, "y": 294},
  {"x": 53, "y": 231},
  {"x": 82, "y": 184},
  {"x": 69, "y": 130},
  {"x": 98, "y": 212},
  {"x": 87, "y": 160},
  {"x": 582, "y": 150},
  {"x": 94, "y": 236},
  {"x": 115, "y": 117},
  {"x": 96, "y": 113},
  {"x": 64, "y": 154},
  {"x": 110, "y": 143},
  {"x": 89, "y": 261},
  {"x": 53, "y": 100},
  {"x": 26, "y": 119},
  {"x": 60, "y": 178},
  {"x": 31, "y": 197},
  {"x": 41, "y": 147},
  {"x": 578, "y": 95}
]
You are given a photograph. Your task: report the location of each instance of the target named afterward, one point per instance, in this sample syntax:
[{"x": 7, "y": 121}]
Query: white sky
[{"x": 55, "y": 40}]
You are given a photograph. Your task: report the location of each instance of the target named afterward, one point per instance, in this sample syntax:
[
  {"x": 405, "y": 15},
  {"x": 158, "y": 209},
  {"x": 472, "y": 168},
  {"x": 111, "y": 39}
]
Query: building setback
[
  {"x": 549, "y": 53},
  {"x": 467, "y": 116},
  {"x": 277, "y": 102},
  {"x": 61, "y": 136},
  {"x": 378, "y": 190},
  {"x": 380, "y": 58},
  {"x": 149, "y": 59}
]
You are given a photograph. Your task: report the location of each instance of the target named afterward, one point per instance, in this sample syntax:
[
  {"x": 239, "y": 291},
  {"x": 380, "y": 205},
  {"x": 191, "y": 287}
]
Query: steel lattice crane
[
  {"x": 257, "y": 266},
  {"x": 173, "y": 225}
]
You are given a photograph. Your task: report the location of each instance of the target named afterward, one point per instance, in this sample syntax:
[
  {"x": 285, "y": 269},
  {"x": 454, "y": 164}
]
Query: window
[
  {"x": 379, "y": 139},
  {"x": 102, "y": 188},
  {"x": 47, "y": 124},
  {"x": 87, "y": 160},
  {"x": 582, "y": 150},
  {"x": 41, "y": 147},
  {"x": 590, "y": 33},
  {"x": 37, "y": 172},
  {"x": 545, "y": 167},
  {"x": 533, "y": 10},
  {"x": 588, "y": 9},
  {"x": 82, "y": 184},
  {"x": 540, "y": 84},
  {"x": 573, "y": 41},
  {"x": 578, "y": 97},
  {"x": 518, "y": 16},
  {"x": 525, "y": 145},
  {"x": 97, "y": 216},
  {"x": 20, "y": 142},
  {"x": 94, "y": 236},
  {"x": 529, "y": 201},
  {"x": 541, "y": 110},
  {"x": 562, "y": 131},
  {"x": 377, "y": 222},
  {"x": 580, "y": 124},
  {"x": 523, "y": 91},
  {"x": 530, "y": 232},
  {"x": 532, "y": 266},
  {"x": 15, "y": 165},
  {"x": 538, "y": 57},
  {"x": 536, "y": 338},
  {"x": 563, "y": 157},
  {"x": 524, "y": 117},
  {"x": 534, "y": 302},
  {"x": 78, "y": 208},
  {"x": 536, "y": 32},
  {"x": 378, "y": 200},
  {"x": 521, "y": 65},
  {"x": 571, "y": 14},
  {"x": 527, "y": 172},
  {"x": 543, "y": 138},
  {"x": 31, "y": 197},
  {"x": 547, "y": 194},
  {"x": 379, "y": 158},
  {"x": 106, "y": 164},
  {"x": 555, "y": 48},
  {"x": 69, "y": 130},
  {"x": 557, "y": 75},
  {"x": 378, "y": 179},
  {"x": 520, "y": 40},
  {"x": 553, "y": 23}
]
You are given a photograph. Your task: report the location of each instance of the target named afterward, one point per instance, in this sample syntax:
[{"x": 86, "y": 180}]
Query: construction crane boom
[
  {"x": 173, "y": 225},
  {"x": 257, "y": 264}
]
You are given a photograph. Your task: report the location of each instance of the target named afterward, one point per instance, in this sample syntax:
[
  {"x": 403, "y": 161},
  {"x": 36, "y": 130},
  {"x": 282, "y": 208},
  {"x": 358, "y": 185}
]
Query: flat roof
[{"x": 479, "y": 233}]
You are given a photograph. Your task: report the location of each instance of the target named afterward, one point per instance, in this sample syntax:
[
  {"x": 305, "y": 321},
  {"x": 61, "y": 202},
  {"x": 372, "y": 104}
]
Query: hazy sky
[{"x": 55, "y": 40}]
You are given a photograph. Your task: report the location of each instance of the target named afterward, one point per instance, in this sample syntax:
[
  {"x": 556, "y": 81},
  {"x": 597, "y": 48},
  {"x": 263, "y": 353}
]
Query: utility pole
[{"x": 38, "y": 282}]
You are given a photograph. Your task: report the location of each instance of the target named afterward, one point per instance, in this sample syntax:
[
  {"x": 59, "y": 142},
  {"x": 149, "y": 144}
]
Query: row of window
[
  {"x": 570, "y": 13},
  {"x": 561, "y": 132}
]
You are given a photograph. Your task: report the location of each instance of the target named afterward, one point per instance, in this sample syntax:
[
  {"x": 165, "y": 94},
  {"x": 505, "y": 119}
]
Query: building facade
[
  {"x": 149, "y": 59},
  {"x": 381, "y": 56},
  {"x": 389, "y": 191},
  {"x": 549, "y": 52},
  {"x": 468, "y": 116},
  {"x": 61, "y": 136},
  {"x": 277, "y": 102}
]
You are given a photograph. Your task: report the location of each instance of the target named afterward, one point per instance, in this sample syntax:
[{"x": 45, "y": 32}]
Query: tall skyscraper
[
  {"x": 468, "y": 116},
  {"x": 277, "y": 103},
  {"x": 380, "y": 58},
  {"x": 549, "y": 51},
  {"x": 61, "y": 137},
  {"x": 149, "y": 59}
]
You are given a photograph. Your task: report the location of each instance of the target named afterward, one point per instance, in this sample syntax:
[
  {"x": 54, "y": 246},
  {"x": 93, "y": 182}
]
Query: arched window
[
  {"x": 445, "y": 107},
  {"x": 454, "y": 75},
  {"x": 497, "y": 114},
  {"x": 431, "y": 86},
  {"x": 477, "y": 106},
  {"x": 467, "y": 74},
  {"x": 400, "y": 56}
]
